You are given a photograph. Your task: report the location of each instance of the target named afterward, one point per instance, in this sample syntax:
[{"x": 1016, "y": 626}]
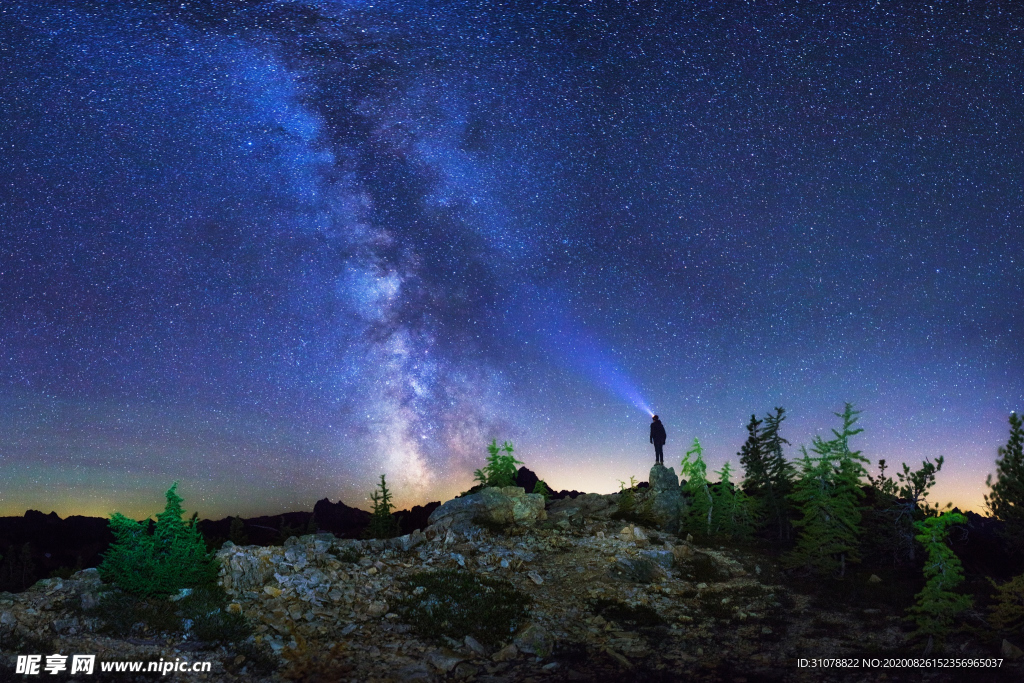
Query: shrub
[
  {"x": 158, "y": 563},
  {"x": 457, "y": 603},
  {"x": 200, "y": 615},
  {"x": 542, "y": 489},
  {"x": 501, "y": 466},
  {"x": 1007, "y": 612}
]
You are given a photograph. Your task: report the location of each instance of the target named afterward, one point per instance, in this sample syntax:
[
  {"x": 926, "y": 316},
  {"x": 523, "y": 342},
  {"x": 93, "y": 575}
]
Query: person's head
[{"x": 655, "y": 418}]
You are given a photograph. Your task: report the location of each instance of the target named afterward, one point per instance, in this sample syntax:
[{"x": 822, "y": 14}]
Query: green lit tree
[
  {"x": 827, "y": 495},
  {"x": 1006, "y": 496},
  {"x": 542, "y": 489},
  {"x": 501, "y": 466},
  {"x": 732, "y": 509},
  {"x": 702, "y": 503},
  {"x": 382, "y": 523},
  {"x": 938, "y": 604},
  {"x": 158, "y": 563}
]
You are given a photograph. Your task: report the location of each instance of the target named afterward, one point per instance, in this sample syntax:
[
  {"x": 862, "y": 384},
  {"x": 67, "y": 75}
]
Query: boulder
[
  {"x": 667, "y": 504},
  {"x": 535, "y": 640},
  {"x": 505, "y": 506}
]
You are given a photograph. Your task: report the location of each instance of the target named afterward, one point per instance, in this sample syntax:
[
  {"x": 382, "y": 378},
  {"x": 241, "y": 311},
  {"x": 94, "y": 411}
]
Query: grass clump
[{"x": 457, "y": 603}]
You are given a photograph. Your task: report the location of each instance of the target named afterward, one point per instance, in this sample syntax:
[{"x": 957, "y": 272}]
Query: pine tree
[
  {"x": 542, "y": 489},
  {"x": 937, "y": 603},
  {"x": 768, "y": 475},
  {"x": 700, "y": 512},
  {"x": 172, "y": 557},
  {"x": 236, "y": 533},
  {"x": 382, "y": 523},
  {"x": 732, "y": 509},
  {"x": 827, "y": 495},
  {"x": 1006, "y": 497}
]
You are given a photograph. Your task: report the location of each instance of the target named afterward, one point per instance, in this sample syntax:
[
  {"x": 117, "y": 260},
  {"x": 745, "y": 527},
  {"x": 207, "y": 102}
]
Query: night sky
[{"x": 275, "y": 249}]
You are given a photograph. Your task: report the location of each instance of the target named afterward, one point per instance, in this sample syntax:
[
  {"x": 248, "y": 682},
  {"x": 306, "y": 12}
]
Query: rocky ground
[{"x": 609, "y": 601}]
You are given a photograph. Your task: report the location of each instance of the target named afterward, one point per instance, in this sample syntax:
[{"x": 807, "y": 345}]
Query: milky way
[{"x": 275, "y": 249}]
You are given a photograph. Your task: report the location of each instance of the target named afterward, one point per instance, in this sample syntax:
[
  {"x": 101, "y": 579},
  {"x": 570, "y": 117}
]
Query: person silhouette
[{"x": 658, "y": 439}]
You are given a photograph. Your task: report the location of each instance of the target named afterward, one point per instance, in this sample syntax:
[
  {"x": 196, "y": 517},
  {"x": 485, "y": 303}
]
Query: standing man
[{"x": 658, "y": 439}]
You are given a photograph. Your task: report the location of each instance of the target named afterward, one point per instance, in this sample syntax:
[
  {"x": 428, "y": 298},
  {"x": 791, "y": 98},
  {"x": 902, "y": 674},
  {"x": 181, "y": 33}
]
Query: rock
[
  {"x": 663, "y": 558},
  {"x": 444, "y": 660},
  {"x": 534, "y": 639},
  {"x": 505, "y": 506},
  {"x": 378, "y": 608},
  {"x": 415, "y": 672},
  {"x": 667, "y": 504},
  {"x": 681, "y": 553},
  {"x": 464, "y": 671},
  {"x": 633, "y": 534},
  {"x": 874, "y": 578},
  {"x": 506, "y": 653},
  {"x": 69, "y": 626},
  {"x": 535, "y": 577},
  {"x": 1011, "y": 651},
  {"x": 474, "y": 645},
  {"x": 7, "y": 619}
]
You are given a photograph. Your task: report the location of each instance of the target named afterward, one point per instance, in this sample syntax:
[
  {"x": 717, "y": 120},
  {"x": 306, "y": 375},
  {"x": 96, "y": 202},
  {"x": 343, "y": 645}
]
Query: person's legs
[{"x": 659, "y": 456}]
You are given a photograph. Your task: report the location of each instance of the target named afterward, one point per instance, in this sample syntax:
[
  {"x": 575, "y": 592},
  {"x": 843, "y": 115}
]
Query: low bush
[
  {"x": 457, "y": 603},
  {"x": 202, "y": 615}
]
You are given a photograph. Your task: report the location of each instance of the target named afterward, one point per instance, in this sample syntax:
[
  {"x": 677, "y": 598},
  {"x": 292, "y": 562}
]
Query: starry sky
[{"x": 273, "y": 250}]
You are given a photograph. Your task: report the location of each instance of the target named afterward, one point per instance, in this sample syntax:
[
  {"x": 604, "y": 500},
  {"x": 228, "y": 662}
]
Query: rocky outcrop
[
  {"x": 607, "y": 602},
  {"x": 666, "y": 498},
  {"x": 492, "y": 506}
]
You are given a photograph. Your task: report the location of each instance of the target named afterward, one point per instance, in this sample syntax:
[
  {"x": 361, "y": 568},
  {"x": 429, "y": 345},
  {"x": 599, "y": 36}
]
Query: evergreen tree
[
  {"x": 937, "y": 603},
  {"x": 897, "y": 503},
  {"x": 501, "y": 466},
  {"x": 1006, "y": 497},
  {"x": 701, "y": 508},
  {"x": 172, "y": 557},
  {"x": 768, "y": 475},
  {"x": 732, "y": 510},
  {"x": 542, "y": 489},
  {"x": 827, "y": 495},
  {"x": 236, "y": 533},
  {"x": 382, "y": 523}
]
